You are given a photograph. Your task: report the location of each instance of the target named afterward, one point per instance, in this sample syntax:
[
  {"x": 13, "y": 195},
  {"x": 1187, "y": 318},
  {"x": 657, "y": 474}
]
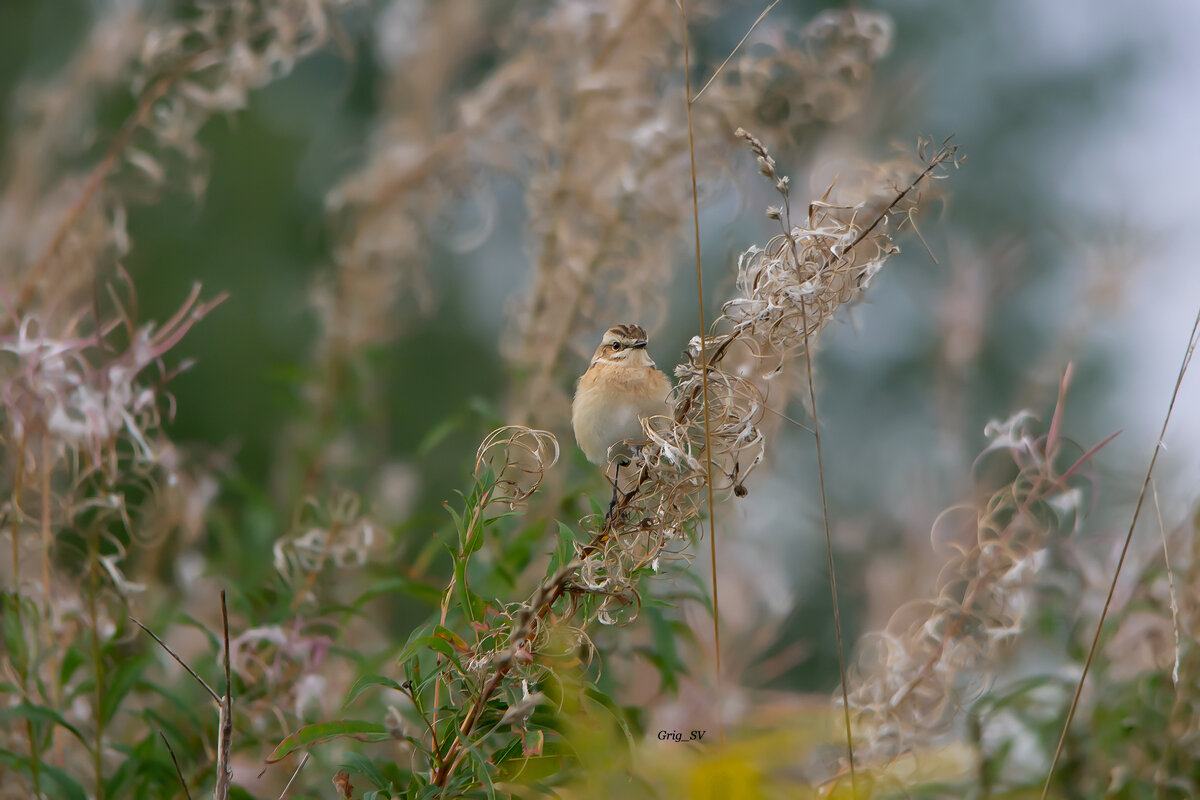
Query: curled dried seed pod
[{"x": 518, "y": 457}]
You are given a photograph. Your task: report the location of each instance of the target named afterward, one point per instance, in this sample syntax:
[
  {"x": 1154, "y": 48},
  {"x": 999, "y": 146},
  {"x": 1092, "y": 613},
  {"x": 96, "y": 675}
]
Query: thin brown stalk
[
  {"x": 100, "y": 173},
  {"x": 437, "y": 751},
  {"x": 786, "y": 418},
  {"x": 732, "y": 53},
  {"x": 935, "y": 161},
  {"x": 47, "y": 536},
  {"x": 837, "y": 618},
  {"x": 112, "y": 156},
  {"x": 295, "y": 775},
  {"x": 1183, "y": 367},
  {"x": 178, "y": 771},
  {"x": 225, "y": 736},
  {"x": 708, "y": 465},
  {"x": 178, "y": 660}
]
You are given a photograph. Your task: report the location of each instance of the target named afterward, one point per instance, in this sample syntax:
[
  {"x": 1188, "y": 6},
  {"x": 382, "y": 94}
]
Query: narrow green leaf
[
  {"x": 120, "y": 681},
  {"x": 366, "y": 682},
  {"x": 440, "y": 645},
  {"x": 68, "y": 787},
  {"x": 667, "y": 660},
  {"x": 40, "y": 714},
  {"x": 72, "y": 660},
  {"x": 412, "y": 645},
  {"x": 360, "y": 764},
  {"x": 430, "y": 595},
  {"x": 465, "y": 598},
  {"x": 609, "y": 705},
  {"x": 323, "y": 732},
  {"x": 438, "y": 433}
]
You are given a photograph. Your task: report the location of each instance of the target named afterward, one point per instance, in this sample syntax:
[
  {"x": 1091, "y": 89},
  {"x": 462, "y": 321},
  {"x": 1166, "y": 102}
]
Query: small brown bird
[{"x": 621, "y": 387}]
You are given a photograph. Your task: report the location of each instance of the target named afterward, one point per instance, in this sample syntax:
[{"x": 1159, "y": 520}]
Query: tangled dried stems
[
  {"x": 182, "y": 73},
  {"x": 912, "y": 679},
  {"x": 92, "y": 483},
  {"x": 784, "y": 84},
  {"x": 85, "y": 463}
]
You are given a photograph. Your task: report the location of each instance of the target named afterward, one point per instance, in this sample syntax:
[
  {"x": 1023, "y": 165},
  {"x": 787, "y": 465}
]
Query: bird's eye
[{"x": 616, "y": 345}]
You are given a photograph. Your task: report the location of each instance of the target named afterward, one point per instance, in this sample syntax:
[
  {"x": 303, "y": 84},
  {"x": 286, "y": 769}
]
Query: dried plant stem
[
  {"x": 1183, "y": 367},
  {"x": 225, "y": 736},
  {"x": 942, "y": 154},
  {"x": 100, "y": 173},
  {"x": 47, "y": 536},
  {"x": 112, "y": 156},
  {"x": 980, "y": 587},
  {"x": 708, "y": 465},
  {"x": 733, "y": 52},
  {"x": 216, "y": 698},
  {"x": 178, "y": 771},
  {"x": 837, "y": 617},
  {"x": 295, "y": 774}
]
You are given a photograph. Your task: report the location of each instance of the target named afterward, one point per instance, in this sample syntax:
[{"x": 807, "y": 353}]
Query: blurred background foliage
[
  {"x": 1024, "y": 282},
  {"x": 259, "y": 233}
]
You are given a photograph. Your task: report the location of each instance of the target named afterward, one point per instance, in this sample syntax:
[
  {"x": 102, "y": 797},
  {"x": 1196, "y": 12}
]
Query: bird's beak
[{"x": 639, "y": 344}]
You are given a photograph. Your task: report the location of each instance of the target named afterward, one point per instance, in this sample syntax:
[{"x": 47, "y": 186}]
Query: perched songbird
[{"x": 620, "y": 388}]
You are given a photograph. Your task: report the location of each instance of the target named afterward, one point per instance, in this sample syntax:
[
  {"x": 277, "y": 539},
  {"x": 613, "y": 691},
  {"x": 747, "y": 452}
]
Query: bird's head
[{"x": 625, "y": 345}]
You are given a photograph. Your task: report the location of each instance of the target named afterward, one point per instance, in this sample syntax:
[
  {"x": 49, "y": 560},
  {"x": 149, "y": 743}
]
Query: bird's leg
[{"x": 612, "y": 504}]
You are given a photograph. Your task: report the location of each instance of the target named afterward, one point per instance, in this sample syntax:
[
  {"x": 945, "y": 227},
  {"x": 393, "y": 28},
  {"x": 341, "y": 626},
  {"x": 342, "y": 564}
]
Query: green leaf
[
  {"x": 438, "y": 433},
  {"x": 412, "y": 645},
  {"x": 40, "y": 714},
  {"x": 13, "y": 635},
  {"x": 604, "y": 700},
  {"x": 366, "y": 682},
  {"x": 68, "y": 787},
  {"x": 72, "y": 660},
  {"x": 564, "y": 549},
  {"x": 430, "y": 595},
  {"x": 466, "y": 598},
  {"x": 120, "y": 682},
  {"x": 360, "y": 764},
  {"x": 664, "y": 656},
  {"x": 450, "y": 636},
  {"x": 323, "y": 732},
  {"x": 440, "y": 645}
]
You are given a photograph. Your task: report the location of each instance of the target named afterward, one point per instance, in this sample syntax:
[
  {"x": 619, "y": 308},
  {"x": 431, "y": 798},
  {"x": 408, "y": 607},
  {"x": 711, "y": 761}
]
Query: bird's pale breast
[{"x": 611, "y": 401}]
